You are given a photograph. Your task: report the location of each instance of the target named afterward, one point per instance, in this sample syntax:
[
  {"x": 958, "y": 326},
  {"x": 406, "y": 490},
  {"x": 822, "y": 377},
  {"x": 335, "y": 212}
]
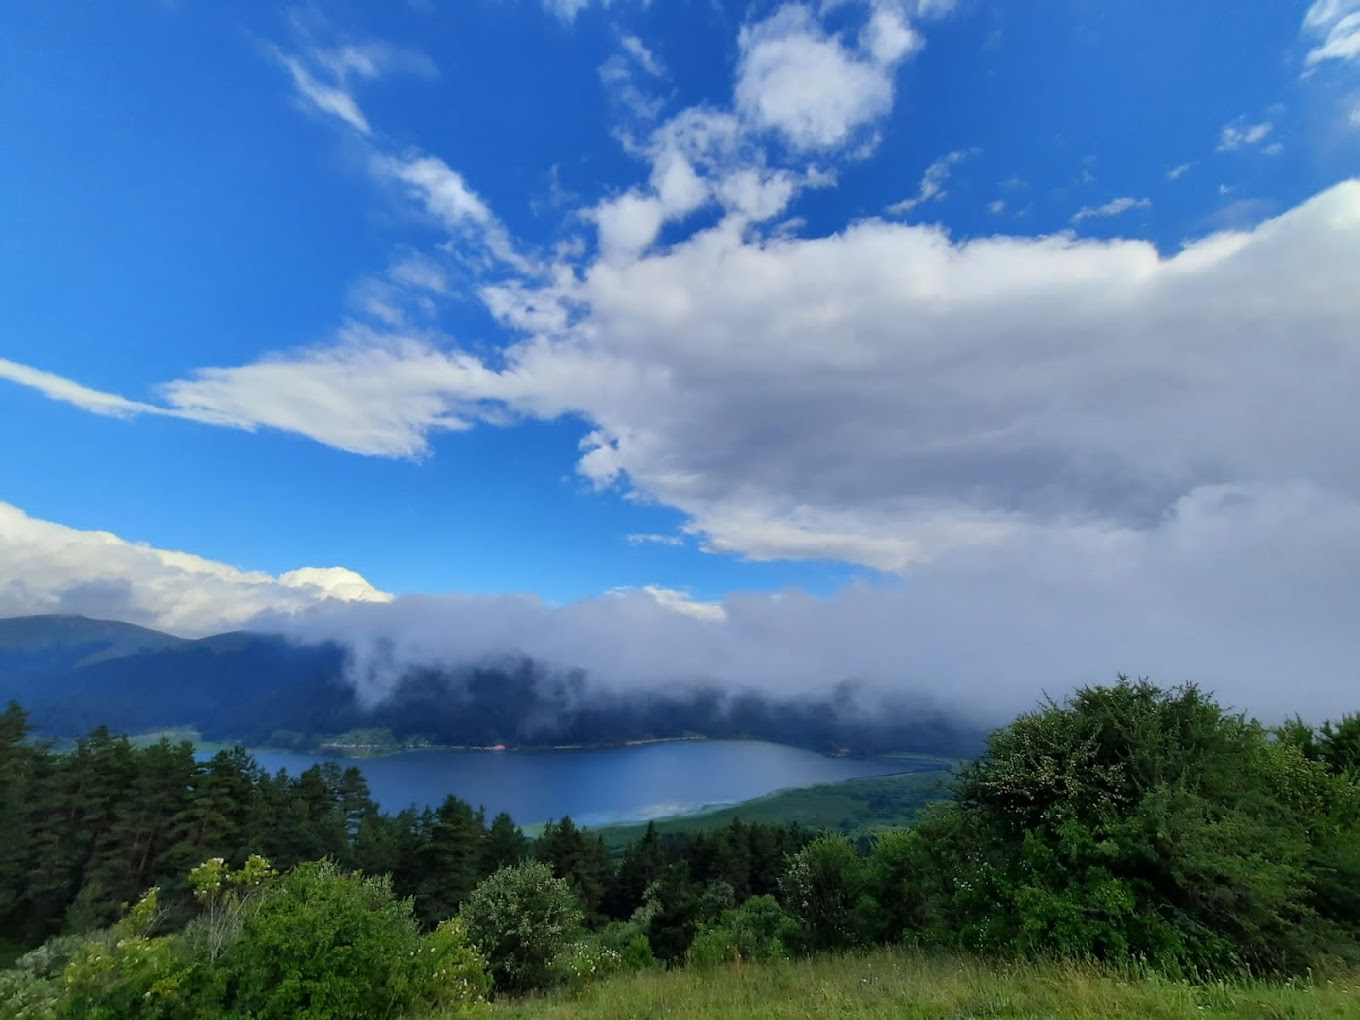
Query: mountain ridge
[{"x": 251, "y": 687}]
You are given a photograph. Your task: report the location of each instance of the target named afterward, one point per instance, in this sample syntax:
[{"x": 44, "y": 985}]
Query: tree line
[{"x": 85, "y": 831}]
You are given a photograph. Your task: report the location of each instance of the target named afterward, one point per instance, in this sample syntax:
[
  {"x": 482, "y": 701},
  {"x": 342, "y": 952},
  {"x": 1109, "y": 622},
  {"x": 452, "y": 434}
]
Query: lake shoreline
[
  {"x": 597, "y": 786},
  {"x": 370, "y": 751}
]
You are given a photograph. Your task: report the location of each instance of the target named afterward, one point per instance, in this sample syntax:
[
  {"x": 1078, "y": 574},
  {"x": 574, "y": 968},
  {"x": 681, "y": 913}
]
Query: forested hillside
[
  {"x": 1147, "y": 833},
  {"x": 74, "y": 674}
]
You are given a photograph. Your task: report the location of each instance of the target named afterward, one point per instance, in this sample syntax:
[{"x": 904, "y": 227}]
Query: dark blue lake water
[{"x": 597, "y": 787}]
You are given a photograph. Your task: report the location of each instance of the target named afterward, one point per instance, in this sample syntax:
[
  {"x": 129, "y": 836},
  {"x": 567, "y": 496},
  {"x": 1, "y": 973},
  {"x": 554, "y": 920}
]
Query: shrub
[
  {"x": 585, "y": 961},
  {"x": 824, "y": 886},
  {"x": 758, "y": 931},
  {"x": 521, "y": 918},
  {"x": 1131, "y": 822},
  {"x": 446, "y": 972},
  {"x": 322, "y": 943},
  {"x": 629, "y": 940},
  {"x": 123, "y": 972}
]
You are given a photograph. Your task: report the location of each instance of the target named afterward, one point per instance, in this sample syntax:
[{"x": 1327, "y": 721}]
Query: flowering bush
[
  {"x": 447, "y": 971},
  {"x": 583, "y": 962}
]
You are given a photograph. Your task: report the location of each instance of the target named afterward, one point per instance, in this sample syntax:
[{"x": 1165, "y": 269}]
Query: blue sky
[{"x": 682, "y": 297}]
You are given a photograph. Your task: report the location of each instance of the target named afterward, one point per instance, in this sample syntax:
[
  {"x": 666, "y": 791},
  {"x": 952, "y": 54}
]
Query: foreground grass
[{"x": 908, "y": 985}]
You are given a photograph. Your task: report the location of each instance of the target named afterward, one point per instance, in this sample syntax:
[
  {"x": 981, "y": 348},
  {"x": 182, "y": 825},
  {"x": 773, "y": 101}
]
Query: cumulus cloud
[
  {"x": 50, "y": 568},
  {"x": 813, "y": 88},
  {"x": 884, "y": 394}
]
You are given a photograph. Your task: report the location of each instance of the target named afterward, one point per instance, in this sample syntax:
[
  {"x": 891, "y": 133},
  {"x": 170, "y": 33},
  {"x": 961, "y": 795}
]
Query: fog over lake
[{"x": 598, "y": 786}]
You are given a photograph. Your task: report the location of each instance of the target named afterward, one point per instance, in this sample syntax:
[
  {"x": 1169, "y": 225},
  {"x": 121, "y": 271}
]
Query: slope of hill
[
  {"x": 852, "y": 806},
  {"x": 29, "y": 643},
  {"x": 73, "y": 674}
]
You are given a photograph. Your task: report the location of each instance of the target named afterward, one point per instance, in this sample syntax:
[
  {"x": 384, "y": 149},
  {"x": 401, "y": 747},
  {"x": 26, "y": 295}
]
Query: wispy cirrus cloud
[
  {"x": 933, "y": 181},
  {"x": 1334, "y": 26},
  {"x": 1114, "y": 207},
  {"x": 1241, "y": 134}
]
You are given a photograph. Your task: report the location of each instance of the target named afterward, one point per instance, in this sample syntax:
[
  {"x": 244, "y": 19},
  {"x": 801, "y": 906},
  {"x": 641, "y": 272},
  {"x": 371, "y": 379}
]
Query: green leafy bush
[
  {"x": 521, "y": 918},
  {"x": 322, "y": 943},
  {"x": 1134, "y": 823},
  {"x": 758, "y": 931},
  {"x": 825, "y": 887}
]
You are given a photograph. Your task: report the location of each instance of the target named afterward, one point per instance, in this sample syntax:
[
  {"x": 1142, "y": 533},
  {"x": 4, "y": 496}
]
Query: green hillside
[
  {"x": 852, "y": 806},
  {"x": 89, "y": 640}
]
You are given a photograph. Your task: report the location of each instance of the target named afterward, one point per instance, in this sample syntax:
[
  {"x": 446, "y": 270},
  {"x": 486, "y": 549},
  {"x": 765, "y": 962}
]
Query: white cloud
[
  {"x": 419, "y": 272},
  {"x": 330, "y": 99},
  {"x": 370, "y": 393},
  {"x": 1235, "y": 587},
  {"x": 568, "y": 9},
  {"x": 933, "y": 181},
  {"x": 645, "y": 58},
  {"x": 445, "y": 195},
  {"x": 1114, "y": 207},
  {"x": 883, "y": 395},
  {"x": 50, "y": 568},
  {"x": 1178, "y": 171},
  {"x": 56, "y": 387},
  {"x": 997, "y": 206},
  {"x": 340, "y": 65},
  {"x": 887, "y": 37},
  {"x": 1335, "y": 25},
  {"x": 810, "y": 87},
  {"x": 651, "y": 539},
  {"x": 1239, "y": 134},
  {"x": 628, "y": 223},
  {"x": 619, "y": 80},
  {"x": 677, "y": 601}
]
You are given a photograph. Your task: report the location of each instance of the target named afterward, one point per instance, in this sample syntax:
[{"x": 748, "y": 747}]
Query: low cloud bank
[{"x": 1249, "y": 591}]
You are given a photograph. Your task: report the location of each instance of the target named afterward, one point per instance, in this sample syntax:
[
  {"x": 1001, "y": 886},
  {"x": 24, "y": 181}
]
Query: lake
[{"x": 599, "y": 786}]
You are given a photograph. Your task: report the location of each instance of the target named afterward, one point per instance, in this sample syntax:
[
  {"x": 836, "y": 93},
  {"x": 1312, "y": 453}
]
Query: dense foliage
[
  {"x": 84, "y": 832},
  {"x": 1142, "y": 827},
  {"x": 313, "y": 944},
  {"x": 1137, "y": 823}
]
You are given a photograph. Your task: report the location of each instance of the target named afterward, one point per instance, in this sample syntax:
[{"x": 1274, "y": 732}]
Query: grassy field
[
  {"x": 909, "y": 985},
  {"x": 855, "y": 805}
]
